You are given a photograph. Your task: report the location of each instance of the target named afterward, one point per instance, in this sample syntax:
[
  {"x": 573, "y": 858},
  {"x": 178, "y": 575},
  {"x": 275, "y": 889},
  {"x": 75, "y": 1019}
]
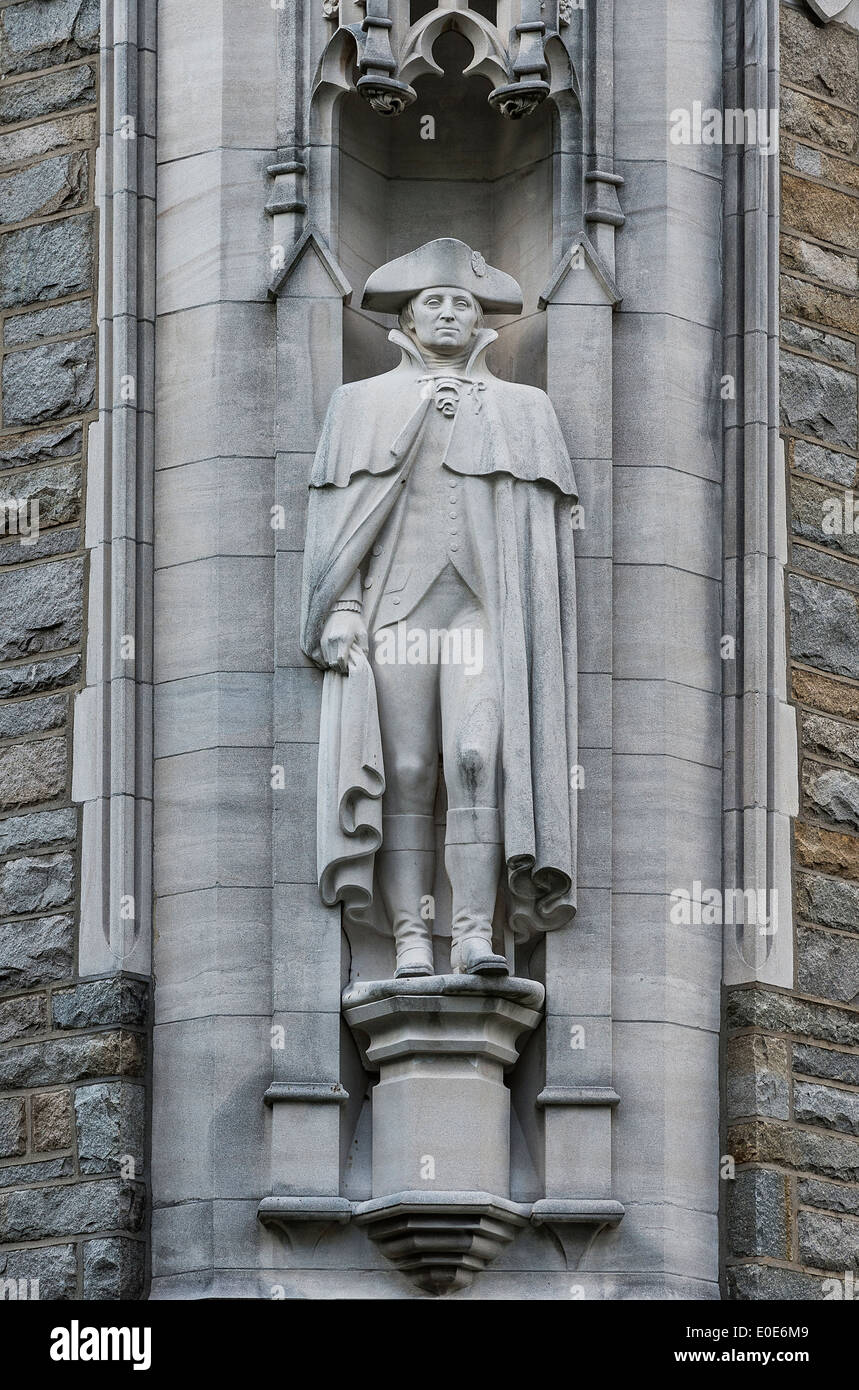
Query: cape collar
[{"x": 412, "y": 356}]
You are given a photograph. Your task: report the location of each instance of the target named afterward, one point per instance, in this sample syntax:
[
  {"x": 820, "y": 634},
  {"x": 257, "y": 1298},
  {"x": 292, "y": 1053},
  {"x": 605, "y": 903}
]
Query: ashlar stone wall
[
  {"x": 793, "y": 1055},
  {"x": 72, "y": 1051}
]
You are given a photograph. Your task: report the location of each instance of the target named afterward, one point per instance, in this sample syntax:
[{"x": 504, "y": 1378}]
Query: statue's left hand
[{"x": 342, "y": 632}]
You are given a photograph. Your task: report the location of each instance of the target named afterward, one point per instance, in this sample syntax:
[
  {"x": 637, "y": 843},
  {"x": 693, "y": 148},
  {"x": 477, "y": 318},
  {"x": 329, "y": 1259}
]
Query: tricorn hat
[{"x": 442, "y": 262}]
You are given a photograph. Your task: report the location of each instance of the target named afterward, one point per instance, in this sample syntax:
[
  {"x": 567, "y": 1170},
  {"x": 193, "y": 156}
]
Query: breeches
[{"x": 438, "y": 688}]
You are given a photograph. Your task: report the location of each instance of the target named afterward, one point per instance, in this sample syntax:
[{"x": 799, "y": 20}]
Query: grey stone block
[
  {"x": 73, "y": 1059},
  {"x": 35, "y": 883},
  {"x": 828, "y": 965},
  {"x": 39, "y": 830},
  {"x": 113, "y": 1269},
  {"x": 757, "y": 1077},
  {"x": 39, "y": 1213},
  {"x": 34, "y": 952},
  {"x": 810, "y": 506},
  {"x": 31, "y": 717},
  {"x": 48, "y": 323},
  {"x": 41, "y": 608},
  {"x": 838, "y": 350},
  {"x": 824, "y": 463},
  {"x": 824, "y": 626},
  {"x": 835, "y": 739},
  {"x": 52, "y": 379},
  {"x": 834, "y": 1196},
  {"x": 53, "y": 185},
  {"x": 235, "y": 977},
  {"x": 826, "y": 1062},
  {"x": 758, "y": 1214},
  {"x": 803, "y": 256},
  {"x": 18, "y": 1017},
  {"x": 49, "y": 545},
  {"x": 827, "y": 1106},
  {"x": 747, "y": 1283},
  {"x": 110, "y": 1120},
  {"x": 38, "y": 35},
  {"x": 807, "y": 160},
  {"x": 40, "y": 675},
  {"x": 818, "y": 399},
  {"x": 829, "y": 1155},
  {"x": 828, "y": 1242},
  {"x": 215, "y": 615},
  {"x": 13, "y": 1127},
  {"x": 821, "y": 564},
  {"x": 42, "y": 96},
  {"x": 54, "y": 1268},
  {"x": 44, "y": 137},
  {"x": 231, "y": 708},
  {"x": 781, "y": 1013},
  {"x": 833, "y": 793},
  {"x": 46, "y": 261},
  {"x": 17, "y": 1174},
  {"x": 209, "y": 113},
  {"x": 41, "y": 446},
  {"x": 97, "y": 1002},
  {"x": 31, "y": 772},
  {"x": 52, "y": 1121},
  {"x": 213, "y": 810}
]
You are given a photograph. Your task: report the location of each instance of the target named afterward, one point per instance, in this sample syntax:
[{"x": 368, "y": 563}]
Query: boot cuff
[
  {"x": 473, "y": 825},
  {"x": 408, "y": 832}
]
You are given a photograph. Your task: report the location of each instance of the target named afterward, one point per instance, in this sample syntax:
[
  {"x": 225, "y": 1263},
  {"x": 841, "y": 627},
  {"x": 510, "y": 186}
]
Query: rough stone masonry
[{"x": 72, "y": 1052}]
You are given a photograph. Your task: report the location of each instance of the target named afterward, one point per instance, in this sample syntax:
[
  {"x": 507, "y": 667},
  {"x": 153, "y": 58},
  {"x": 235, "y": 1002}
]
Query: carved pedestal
[{"x": 440, "y": 1209}]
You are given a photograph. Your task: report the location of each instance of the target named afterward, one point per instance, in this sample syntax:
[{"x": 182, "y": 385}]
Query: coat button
[
  {"x": 377, "y": 550},
  {"x": 396, "y": 601},
  {"x": 368, "y": 583}
]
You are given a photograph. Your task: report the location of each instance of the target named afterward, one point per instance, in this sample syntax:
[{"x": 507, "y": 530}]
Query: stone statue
[{"x": 439, "y": 599}]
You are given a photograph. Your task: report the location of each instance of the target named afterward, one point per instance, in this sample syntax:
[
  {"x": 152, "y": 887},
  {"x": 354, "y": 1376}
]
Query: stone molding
[
  {"x": 760, "y": 769},
  {"x": 113, "y": 716}
]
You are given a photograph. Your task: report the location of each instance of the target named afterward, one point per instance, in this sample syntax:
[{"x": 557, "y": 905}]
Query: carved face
[{"x": 445, "y": 319}]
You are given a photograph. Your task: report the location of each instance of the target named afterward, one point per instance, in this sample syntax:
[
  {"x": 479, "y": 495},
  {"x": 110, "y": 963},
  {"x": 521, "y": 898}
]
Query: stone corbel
[
  {"x": 378, "y": 83},
  {"x": 530, "y": 69}
]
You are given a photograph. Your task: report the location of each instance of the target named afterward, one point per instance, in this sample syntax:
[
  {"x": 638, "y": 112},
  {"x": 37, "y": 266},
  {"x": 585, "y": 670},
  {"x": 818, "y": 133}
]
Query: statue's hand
[{"x": 342, "y": 632}]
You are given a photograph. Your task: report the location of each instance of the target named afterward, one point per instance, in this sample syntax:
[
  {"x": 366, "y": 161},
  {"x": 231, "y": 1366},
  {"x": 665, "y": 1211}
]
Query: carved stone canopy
[{"x": 517, "y": 67}]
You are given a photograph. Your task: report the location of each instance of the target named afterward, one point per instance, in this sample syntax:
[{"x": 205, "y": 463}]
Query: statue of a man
[{"x": 439, "y": 598}]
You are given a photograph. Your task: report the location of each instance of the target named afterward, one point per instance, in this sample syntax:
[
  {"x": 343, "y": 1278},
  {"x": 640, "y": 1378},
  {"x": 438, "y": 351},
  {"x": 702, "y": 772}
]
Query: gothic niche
[{"x": 450, "y": 194}]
